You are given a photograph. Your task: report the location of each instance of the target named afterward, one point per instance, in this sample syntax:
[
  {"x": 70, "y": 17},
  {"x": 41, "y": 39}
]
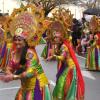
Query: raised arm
[{"x": 63, "y": 54}]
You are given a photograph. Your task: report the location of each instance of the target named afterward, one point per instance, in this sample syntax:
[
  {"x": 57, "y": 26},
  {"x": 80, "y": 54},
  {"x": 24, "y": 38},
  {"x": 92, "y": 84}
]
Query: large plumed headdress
[
  {"x": 61, "y": 21},
  {"x": 65, "y": 17},
  {"x": 27, "y": 22},
  {"x": 94, "y": 24}
]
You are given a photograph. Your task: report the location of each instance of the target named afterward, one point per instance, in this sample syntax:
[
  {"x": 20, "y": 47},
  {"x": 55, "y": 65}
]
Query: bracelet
[
  {"x": 15, "y": 77},
  {"x": 55, "y": 56}
]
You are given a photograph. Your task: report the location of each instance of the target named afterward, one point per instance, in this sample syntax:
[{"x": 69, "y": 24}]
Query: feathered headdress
[
  {"x": 65, "y": 17},
  {"x": 94, "y": 24},
  {"x": 27, "y": 22},
  {"x": 62, "y": 21}
]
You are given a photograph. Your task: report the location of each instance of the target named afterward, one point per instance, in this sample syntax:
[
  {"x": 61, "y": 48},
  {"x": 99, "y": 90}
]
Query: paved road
[{"x": 92, "y": 80}]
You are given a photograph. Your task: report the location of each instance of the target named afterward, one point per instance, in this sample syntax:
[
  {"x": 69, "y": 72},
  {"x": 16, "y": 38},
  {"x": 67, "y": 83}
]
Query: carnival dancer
[
  {"x": 1, "y": 37},
  {"x": 1, "y": 44},
  {"x": 69, "y": 82},
  {"x": 24, "y": 63},
  {"x": 2, "y": 48},
  {"x": 93, "y": 55},
  {"x": 48, "y": 49},
  {"x": 6, "y": 43}
]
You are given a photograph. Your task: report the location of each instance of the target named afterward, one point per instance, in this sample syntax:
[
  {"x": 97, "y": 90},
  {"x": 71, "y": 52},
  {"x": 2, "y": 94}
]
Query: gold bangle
[
  {"x": 55, "y": 57},
  {"x": 15, "y": 77}
]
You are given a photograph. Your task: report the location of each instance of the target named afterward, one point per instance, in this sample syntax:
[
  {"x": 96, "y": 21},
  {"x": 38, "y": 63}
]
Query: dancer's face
[
  {"x": 57, "y": 37},
  {"x": 19, "y": 42}
]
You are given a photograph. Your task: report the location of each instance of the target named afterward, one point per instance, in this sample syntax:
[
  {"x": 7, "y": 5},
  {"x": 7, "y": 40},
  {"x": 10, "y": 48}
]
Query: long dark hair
[{"x": 23, "y": 55}]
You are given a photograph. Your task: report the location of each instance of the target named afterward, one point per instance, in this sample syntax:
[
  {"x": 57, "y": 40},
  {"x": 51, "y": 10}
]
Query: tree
[
  {"x": 91, "y": 3},
  {"x": 48, "y": 5}
]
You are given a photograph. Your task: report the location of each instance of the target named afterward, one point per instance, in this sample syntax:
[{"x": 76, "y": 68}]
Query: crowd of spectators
[{"x": 81, "y": 36}]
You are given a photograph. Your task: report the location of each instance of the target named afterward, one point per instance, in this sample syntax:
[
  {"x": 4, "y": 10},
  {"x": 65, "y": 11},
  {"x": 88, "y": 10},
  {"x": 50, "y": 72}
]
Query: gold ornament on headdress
[
  {"x": 8, "y": 36},
  {"x": 26, "y": 23},
  {"x": 65, "y": 17},
  {"x": 62, "y": 21},
  {"x": 94, "y": 24},
  {"x": 46, "y": 24}
]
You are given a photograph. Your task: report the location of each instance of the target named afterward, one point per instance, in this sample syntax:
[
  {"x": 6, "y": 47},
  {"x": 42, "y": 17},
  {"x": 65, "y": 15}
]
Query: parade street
[{"x": 92, "y": 80}]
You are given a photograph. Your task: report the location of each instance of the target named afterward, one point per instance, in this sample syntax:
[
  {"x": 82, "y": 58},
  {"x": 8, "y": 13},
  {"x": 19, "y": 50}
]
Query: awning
[{"x": 92, "y": 11}]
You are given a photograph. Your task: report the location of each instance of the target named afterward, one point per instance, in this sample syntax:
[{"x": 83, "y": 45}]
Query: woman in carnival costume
[
  {"x": 69, "y": 82},
  {"x": 1, "y": 45},
  {"x": 24, "y": 63},
  {"x": 4, "y": 48},
  {"x": 48, "y": 49},
  {"x": 93, "y": 55}
]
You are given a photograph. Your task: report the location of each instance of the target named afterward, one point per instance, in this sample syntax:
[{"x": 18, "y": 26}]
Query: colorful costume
[
  {"x": 4, "y": 53},
  {"x": 93, "y": 55},
  {"x": 4, "y": 50},
  {"x": 48, "y": 49},
  {"x": 69, "y": 81},
  {"x": 69, "y": 84},
  {"x": 5, "y": 41},
  {"x": 24, "y": 29},
  {"x": 32, "y": 87},
  {"x": 1, "y": 46}
]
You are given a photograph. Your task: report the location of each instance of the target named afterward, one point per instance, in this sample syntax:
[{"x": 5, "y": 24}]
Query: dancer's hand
[
  {"x": 6, "y": 78},
  {"x": 49, "y": 58}
]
